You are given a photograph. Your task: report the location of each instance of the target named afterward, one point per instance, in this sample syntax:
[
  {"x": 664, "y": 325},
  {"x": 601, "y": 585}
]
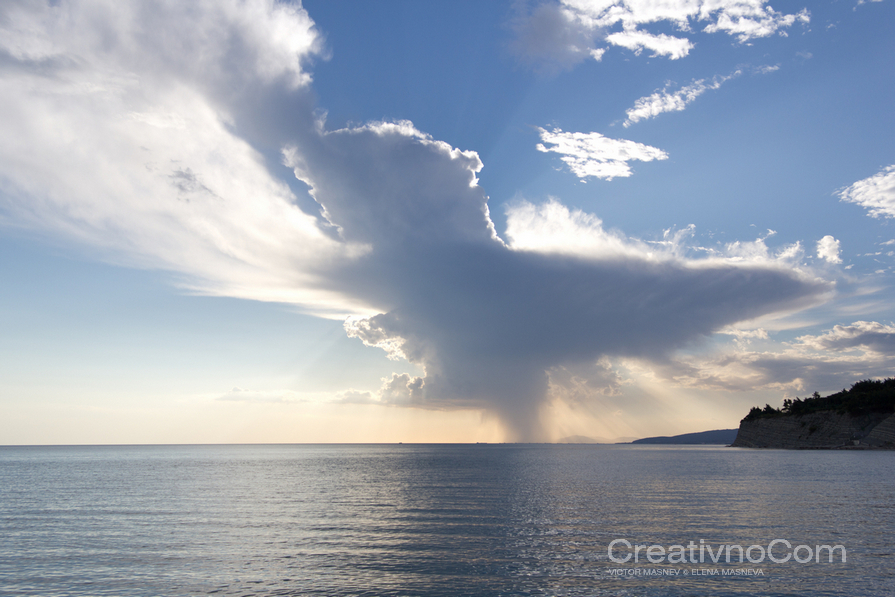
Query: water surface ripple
[{"x": 433, "y": 520}]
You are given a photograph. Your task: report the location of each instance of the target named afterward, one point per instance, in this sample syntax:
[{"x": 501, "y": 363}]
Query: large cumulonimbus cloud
[
  {"x": 486, "y": 318},
  {"x": 156, "y": 132}
]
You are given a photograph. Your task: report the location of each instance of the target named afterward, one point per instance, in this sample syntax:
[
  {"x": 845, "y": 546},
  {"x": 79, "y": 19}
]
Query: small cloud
[
  {"x": 356, "y": 397},
  {"x": 828, "y": 249},
  {"x": 592, "y": 154},
  {"x": 877, "y": 193},
  {"x": 398, "y": 390},
  {"x": 766, "y": 68},
  {"x": 661, "y": 44}
]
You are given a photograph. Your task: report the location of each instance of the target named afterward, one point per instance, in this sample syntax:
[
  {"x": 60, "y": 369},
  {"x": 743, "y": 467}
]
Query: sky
[{"x": 233, "y": 221}]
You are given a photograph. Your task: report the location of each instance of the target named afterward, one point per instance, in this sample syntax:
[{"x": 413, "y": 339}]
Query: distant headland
[
  {"x": 716, "y": 436},
  {"x": 862, "y": 417}
]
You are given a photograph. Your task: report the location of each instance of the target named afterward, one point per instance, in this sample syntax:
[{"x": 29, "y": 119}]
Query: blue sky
[{"x": 405, "y": 221}]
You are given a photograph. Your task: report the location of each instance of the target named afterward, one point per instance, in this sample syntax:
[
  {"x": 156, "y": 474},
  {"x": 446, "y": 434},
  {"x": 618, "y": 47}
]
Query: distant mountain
[
  {"x": 585, "y": 439},
  {"x": 717, "y": 436}
]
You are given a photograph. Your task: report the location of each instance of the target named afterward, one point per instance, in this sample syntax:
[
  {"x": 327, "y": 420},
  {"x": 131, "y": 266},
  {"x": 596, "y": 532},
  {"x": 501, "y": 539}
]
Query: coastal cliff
[
  {"x": 860, "y": 418},
  {"x": 818, "y": 430}
]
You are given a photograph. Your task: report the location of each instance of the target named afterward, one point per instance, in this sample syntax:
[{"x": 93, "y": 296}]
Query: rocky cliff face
[{"x": 826, "y": 429}]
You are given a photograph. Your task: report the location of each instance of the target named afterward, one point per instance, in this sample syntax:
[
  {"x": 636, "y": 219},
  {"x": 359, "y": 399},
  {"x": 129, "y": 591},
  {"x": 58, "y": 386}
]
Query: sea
[{"x": 445, "y": 520}]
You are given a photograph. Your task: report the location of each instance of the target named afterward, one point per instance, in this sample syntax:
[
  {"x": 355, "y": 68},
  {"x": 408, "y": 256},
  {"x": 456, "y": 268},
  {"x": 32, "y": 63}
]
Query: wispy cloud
[
  {"x": 127, "y": 141},
  {"x": 663, "y": 101},
  {"x": 593, "y": 155},
  {"x": 876, "y": 193}
]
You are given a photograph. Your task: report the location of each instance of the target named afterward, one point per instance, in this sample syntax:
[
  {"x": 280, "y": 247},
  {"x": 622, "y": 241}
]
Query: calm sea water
[{"x": 432, "y": 520}]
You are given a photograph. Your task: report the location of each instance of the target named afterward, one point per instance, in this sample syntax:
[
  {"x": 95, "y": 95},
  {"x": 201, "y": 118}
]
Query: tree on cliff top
[{"x": 866, "y": 396}]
